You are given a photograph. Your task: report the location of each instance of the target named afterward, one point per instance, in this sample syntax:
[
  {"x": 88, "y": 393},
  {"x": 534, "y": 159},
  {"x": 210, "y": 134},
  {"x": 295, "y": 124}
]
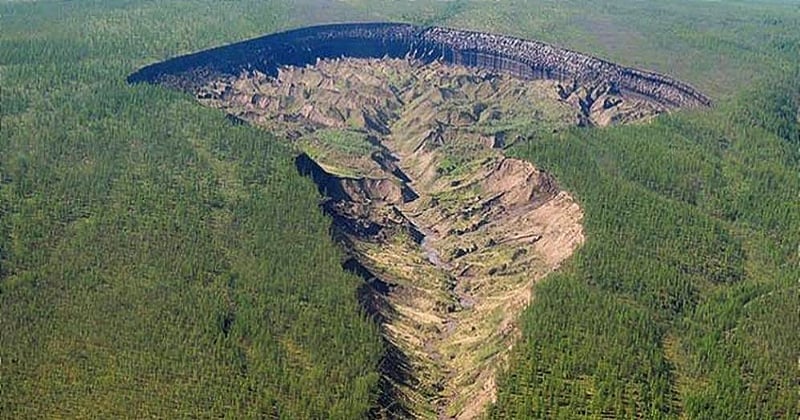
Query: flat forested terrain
[{"x": 158, "y": 260}]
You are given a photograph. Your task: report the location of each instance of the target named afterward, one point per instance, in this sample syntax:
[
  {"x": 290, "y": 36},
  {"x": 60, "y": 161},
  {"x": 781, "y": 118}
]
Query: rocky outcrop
[{"x": 498, "y": 53}]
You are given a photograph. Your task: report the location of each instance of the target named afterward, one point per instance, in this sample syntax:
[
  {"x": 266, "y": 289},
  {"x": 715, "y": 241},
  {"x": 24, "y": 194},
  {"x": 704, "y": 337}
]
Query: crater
[{"x": 403, "y": 129}]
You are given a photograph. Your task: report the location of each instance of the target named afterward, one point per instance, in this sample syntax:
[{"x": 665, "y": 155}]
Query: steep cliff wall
[{"x": 521, "y": 58}]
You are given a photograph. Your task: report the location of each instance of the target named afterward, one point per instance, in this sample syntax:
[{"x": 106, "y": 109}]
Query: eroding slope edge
[{"x": 522, "y": 58}]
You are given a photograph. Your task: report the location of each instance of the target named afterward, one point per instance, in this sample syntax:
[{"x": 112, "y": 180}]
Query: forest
[{"x": 159, "y": 260}]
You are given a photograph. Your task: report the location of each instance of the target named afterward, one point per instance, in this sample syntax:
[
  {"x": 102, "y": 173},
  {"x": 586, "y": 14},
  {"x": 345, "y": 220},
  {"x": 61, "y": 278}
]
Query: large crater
[{"x": 403, "y": 130}]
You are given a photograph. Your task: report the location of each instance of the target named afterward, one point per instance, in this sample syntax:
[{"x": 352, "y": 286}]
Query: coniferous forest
[{"x": 159, "y": 260}]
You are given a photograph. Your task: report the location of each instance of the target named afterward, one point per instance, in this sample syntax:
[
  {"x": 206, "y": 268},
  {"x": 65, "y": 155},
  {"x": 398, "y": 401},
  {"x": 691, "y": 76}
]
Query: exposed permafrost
[{"x": 497, "y": 53}]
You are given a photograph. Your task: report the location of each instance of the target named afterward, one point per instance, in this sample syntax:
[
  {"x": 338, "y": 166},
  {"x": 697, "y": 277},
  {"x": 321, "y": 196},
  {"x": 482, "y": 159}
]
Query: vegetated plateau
[
  {"x": 448, "y": 233},
  {"x": 159, "y": 259}
]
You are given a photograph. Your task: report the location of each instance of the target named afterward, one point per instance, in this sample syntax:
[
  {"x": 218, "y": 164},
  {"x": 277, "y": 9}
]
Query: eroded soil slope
[{"x": 448, "y": 232}]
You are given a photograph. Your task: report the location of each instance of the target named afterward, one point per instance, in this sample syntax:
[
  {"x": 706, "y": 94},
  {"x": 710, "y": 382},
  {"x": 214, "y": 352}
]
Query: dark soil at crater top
[{"x": 497, "y": 53}]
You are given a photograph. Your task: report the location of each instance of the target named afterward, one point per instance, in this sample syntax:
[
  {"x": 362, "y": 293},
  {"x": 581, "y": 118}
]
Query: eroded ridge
[{"x": 448, "y": 232}]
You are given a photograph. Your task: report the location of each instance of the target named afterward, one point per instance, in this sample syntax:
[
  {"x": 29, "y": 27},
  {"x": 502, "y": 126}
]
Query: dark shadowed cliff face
[{"x": 521, "y": 58}]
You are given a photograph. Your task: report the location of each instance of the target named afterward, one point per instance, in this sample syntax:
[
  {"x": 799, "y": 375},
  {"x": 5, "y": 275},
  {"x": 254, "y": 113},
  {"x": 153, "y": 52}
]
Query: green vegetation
[
  {"x": 684, "y": 299},
  {"x": 344, "y": 141},
  {"x": 334, "y": 148},
  {"x": 157, "y": 261}
]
